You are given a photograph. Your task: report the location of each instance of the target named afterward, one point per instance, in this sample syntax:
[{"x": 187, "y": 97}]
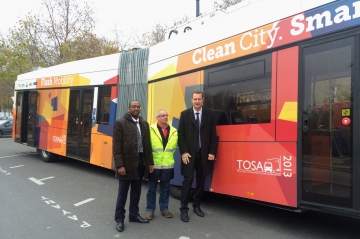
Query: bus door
[
  {"x": 26, "y": 118},
  {"x": 327, "y": 162},
  {"x": 79, "y": 123}
]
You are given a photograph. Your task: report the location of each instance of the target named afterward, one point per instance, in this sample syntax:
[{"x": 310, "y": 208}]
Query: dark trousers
[
  {"x": 135, "y": 193},
  {"x": 186, "y": 185}
]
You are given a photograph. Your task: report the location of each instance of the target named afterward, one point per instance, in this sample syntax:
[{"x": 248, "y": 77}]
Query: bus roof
[
  {"x": 242, "y": 17},
  {"x": 101, "y": 63}
]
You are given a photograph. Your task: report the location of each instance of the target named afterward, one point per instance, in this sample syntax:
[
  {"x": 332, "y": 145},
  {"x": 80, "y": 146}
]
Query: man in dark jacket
[
  {"x": 198, "y": 144},
  {"x": 133, "y": 160}
]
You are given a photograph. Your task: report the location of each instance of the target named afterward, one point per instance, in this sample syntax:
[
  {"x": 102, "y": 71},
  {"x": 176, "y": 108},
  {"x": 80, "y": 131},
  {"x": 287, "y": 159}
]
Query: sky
[{"x": 127, "y": 15}]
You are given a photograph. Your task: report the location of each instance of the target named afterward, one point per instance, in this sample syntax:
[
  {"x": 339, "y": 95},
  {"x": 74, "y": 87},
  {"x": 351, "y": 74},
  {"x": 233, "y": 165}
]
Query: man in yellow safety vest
[{"x": 164, "y": 139}]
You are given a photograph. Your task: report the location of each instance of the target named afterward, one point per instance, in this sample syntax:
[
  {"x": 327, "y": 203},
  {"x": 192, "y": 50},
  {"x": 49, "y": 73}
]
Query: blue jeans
[{"x": 164, "y": 195}]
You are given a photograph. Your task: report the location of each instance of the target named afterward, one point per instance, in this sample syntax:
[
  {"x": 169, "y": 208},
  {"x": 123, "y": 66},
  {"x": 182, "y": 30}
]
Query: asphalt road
[{"x": 71, "y": 199}]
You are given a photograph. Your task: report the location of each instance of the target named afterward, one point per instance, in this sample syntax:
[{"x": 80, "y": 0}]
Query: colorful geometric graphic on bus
[
  {"x": 46, "y": 113},
  {"x": 287, "y": 93},
  {"x": 54, "y": 103},
  {"x": 105, "y": 129},
  {"x": 53, "y": 119},
  {"x": 173, "y": 95},
  {"x": 289, "y": 112},
  {"x": 112, "y": 81},
  {"x": 167, "y": 70}
]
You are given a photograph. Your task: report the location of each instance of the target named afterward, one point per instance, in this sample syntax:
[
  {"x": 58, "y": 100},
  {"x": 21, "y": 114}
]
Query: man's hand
[
  {"x": 121, "y": 171},
  {"x": 185, "y": 157},
  {"x": 151, "y": 168},
  {"x": 211, "y": 157}
]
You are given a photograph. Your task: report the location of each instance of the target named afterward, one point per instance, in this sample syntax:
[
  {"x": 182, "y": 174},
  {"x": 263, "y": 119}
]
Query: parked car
[{"x": 5, "y": 127}]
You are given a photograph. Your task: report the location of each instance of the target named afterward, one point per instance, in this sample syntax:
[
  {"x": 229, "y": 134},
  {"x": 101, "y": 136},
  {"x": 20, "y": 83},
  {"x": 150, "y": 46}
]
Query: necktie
[
  {"x": 198, "y": 128},
  {"x": 140, "y": 147}
]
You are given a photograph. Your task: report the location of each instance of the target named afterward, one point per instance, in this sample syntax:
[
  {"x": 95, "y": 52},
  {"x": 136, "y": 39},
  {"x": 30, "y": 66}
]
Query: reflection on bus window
[
  {"x": 103, "y": 108},
  {"x": 240, "y": 92}
]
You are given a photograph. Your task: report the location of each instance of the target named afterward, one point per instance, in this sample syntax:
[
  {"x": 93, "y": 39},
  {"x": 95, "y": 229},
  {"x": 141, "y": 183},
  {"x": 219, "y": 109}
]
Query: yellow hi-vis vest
[{"x": 163, "y": 158}]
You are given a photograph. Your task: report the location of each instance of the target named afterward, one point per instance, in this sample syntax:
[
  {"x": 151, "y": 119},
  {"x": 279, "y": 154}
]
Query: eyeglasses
[
  {"x": 135, "y": 106},
  {"x": 163, "y": 116}
]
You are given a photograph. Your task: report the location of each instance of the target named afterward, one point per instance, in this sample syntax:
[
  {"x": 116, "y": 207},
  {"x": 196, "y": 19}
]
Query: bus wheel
[
  {"x": 47, "y": 156},
  {"x": 175, "y": 192}
]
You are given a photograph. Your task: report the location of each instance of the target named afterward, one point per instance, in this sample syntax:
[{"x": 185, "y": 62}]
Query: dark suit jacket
[
  {"x": 125, "y": 147},
  {"x": 188, "y": 136}
]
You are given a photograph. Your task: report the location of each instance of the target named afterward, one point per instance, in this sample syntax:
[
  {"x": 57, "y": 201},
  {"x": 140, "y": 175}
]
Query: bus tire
[
  {"x": 175, "y": 192},
  {"x": 46, "y": 156}
]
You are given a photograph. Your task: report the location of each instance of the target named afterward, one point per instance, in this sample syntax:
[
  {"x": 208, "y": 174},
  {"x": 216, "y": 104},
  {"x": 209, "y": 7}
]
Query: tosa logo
[{"x": 59, "y": 139}]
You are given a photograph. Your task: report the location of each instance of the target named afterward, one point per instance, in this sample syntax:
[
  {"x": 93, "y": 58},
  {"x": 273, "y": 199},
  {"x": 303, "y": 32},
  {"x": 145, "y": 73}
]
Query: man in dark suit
[
  {"x": 133, "y": 160},
  {"x": 197, "y": 142}
]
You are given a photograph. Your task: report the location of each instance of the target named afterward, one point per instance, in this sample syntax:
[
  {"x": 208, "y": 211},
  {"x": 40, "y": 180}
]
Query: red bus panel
[
  {"x": 264, "y": 171},
  {"x": 287, "y": 94}
]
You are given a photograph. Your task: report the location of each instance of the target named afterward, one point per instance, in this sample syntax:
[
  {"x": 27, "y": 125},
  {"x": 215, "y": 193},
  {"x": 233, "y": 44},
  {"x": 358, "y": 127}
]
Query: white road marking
[
  {"x": 83, "y": 202},
  {"x": 9, "y": 156},
  {"x": 45, "y": 178},
  {"x": 17, "y": 166},
  {"x": 38, "y": 181}
]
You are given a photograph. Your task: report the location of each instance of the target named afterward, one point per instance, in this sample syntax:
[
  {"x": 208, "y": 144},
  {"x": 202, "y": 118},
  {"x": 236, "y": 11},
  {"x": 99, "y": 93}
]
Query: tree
[
  {"x": 12, "y": 61},
  {"x": 226, "y": 3},
  {"x": 62, "y": 32},
  {"x": 122, "y": 41},
  {"x": 157, "y": 34},
  {"x": 182, "y": 20},
  {"x": 61, "y": 23},
  {"x": 87, "y": 46},
  {"x": 21, "y": 44},
  {"x": 153, "y": 37},
  {"x": 7, "y": 76}
]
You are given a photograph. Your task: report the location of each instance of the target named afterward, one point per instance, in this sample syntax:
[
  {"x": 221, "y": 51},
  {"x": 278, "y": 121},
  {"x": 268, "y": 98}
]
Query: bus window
[
  {"x": 103, "y": 108},
  {"x": 240, "y": 89}
]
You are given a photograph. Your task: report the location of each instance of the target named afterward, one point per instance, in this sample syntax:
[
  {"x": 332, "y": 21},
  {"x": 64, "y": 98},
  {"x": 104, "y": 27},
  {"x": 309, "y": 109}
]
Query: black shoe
[
  {"x": 120, "y": 226},
  {"x": 198, "y": 211},
  {"x": 138, "y": 219},
  {"x": 184, "y": 217}
]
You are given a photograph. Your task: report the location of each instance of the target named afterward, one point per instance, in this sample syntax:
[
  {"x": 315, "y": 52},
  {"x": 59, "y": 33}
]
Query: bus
[{"x": 281, "y": 77}]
